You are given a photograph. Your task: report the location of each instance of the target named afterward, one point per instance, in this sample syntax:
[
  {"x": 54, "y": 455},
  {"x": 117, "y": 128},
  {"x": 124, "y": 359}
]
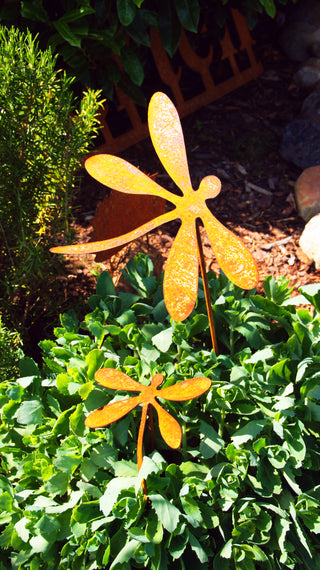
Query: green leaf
[
  {"x": 169, "y": 27},
  {"x": 149, "y": 353},
  {"x": 249, "y": 431},
  {"x": 67, "y": 460},
  {"x": 167, "y": 513},
  {"x": 105, "y": 286},
  {"x": 199, "y": 323},
  {"x": 39, "y": 544},
  {"x": 30, "y": 412},
  {"x": 48, "y": 528},
  {"x": 126, "y": 11},
  {"x": 28, "y": 367},
  {"x": 77, "y": 421},
  {"x": 188, "y": 13},
  {"x": 154, "y": 530},
  {"x": 86, "y": 512},
  {"x": 114, "y": 487},
  {"x": 61, "y": 426},
  {"x": 125, "y": 554},
  {"x": 132, "y": 65},
  {"x": 269, "y": 7},
  {"x": 22, "y": 530},
  {"x": 6, "y": 502},
  {"x": 57, "y": 484},
  {"x": 125, "y": 468},
  {"x": 67, "y": 34},
  {"x": 163, "y": 340},
  {"x": 211, "y": 443},
  {"x": 197, "y": 548},
  {"x": 94, "y": 359},
  {"x": 77, "y": 14},
  {"x": 148, "y": 467}
]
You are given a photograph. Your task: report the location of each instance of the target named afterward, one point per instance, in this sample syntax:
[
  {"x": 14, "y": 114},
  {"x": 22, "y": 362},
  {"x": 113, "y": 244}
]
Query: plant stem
[
  {"x": 222, "y": 420},
  {"x": 140, "y": 444},
  {"x": 206, "y": 290}
]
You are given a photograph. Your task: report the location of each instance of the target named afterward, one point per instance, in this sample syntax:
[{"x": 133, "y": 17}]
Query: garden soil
[{"x": 236, "y": 138}]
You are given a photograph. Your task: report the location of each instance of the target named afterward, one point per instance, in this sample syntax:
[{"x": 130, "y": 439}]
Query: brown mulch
[{"x": 236, "y": 138}]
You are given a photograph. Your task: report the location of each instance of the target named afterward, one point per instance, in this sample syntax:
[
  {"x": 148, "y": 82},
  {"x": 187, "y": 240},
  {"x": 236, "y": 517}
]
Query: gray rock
[
  {"x": 311, "y": 106},
  {"x": 309, "y": 73},
  {"x": 296, "y": 40},
  {"x": 301, "y": 143},
  {"x": 307, "y": 11},
  {"x": 310, "y": 240}
]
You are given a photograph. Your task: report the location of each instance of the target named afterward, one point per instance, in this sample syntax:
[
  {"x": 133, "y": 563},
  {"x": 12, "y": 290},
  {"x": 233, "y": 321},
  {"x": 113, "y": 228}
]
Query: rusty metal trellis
[
  {"x": 169, "y": 427},
  {"x": 239, "y": 60}
]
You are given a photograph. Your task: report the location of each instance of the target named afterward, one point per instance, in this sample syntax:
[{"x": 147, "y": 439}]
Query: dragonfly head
[
  {"x": 157, "y": 380},
  {"x": 210, "y": 187}
]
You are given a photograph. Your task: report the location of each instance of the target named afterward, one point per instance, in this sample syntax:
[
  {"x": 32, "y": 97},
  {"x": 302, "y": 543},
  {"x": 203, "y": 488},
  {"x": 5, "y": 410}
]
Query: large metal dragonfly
[{"x": 182, "y": 267}]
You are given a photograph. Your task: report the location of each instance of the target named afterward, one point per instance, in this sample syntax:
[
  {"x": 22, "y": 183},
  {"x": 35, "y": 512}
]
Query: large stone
[
  {"x": 301, "y": 143},
  {"x": 297, "y": 39},
  {"x": 300, "y": 35},
  {"x": 310, "y": 240},
  {"x": 307, "y": 192},
  {"x": 308, "y": 75},
  {"x": 311, "y": 106}
]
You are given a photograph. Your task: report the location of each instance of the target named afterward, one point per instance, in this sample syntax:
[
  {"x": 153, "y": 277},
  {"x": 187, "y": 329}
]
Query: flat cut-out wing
[
  {"x": 232, "y": 255},
  {"x": 117, "y": 380},
  {"x": 186, "y": 390},
  {"x": 95, "y": 246},
  {"x": 111, "y": 412},
  {"x": 180, "y": 284},
  {"x": 169, "y": 427},
  {"x": 167, "y": 138},
  {"x": 120, "y": 175}
]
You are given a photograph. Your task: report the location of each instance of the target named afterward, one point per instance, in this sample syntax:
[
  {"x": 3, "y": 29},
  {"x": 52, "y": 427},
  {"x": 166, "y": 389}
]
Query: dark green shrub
[
  {"x": 10, "y": 352},
  {"x": 88, "y": 34},
  {"x": 43, "y": 137},
  {"x": 242, "y": 493}
]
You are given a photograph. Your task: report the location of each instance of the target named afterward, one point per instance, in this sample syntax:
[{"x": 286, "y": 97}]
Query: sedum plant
[
  {"x": 243, "y": 490},
  {"x": 43, "y": 135}
]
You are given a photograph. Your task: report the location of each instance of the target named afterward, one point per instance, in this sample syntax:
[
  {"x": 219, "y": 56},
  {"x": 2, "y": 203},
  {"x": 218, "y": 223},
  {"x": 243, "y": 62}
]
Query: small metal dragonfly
[{"x": 169, "y": 427}]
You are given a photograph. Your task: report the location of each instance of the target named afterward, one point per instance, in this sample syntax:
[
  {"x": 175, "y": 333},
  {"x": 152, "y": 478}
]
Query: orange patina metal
[
  {"x": 181, "y": 272},
  {"x": 169, "y": 427}
]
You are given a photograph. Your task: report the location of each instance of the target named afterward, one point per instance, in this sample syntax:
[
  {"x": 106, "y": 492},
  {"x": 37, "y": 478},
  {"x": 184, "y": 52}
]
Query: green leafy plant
[
  {"x": 243, "y": 491},
  {"x": 104, "y": 43},
  {"x": 43, "y": 135}
]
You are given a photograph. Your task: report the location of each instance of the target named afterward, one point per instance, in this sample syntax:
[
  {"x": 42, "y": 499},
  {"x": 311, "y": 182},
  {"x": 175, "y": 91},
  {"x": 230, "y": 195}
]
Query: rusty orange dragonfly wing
[
  {"x": 169, "y": 427},
  {"x": 167, "y": 138},
  {"x": 180, "y": 282},
  {"x": 117, "y": 380},
  {"x": 185, "y": 390},
  {"x": 235, "y": 260},
  {"x": 120, "y": 175},
  {"x": 112, "y": 412}
]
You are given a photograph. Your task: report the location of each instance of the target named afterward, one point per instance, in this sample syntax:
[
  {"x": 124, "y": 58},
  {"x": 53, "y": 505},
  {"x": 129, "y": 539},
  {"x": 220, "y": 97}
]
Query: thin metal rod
[
  {"x": 140, "y": 444},
  {"x": 206, "y": 290},
  {"x": 151, "y": 427}
]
